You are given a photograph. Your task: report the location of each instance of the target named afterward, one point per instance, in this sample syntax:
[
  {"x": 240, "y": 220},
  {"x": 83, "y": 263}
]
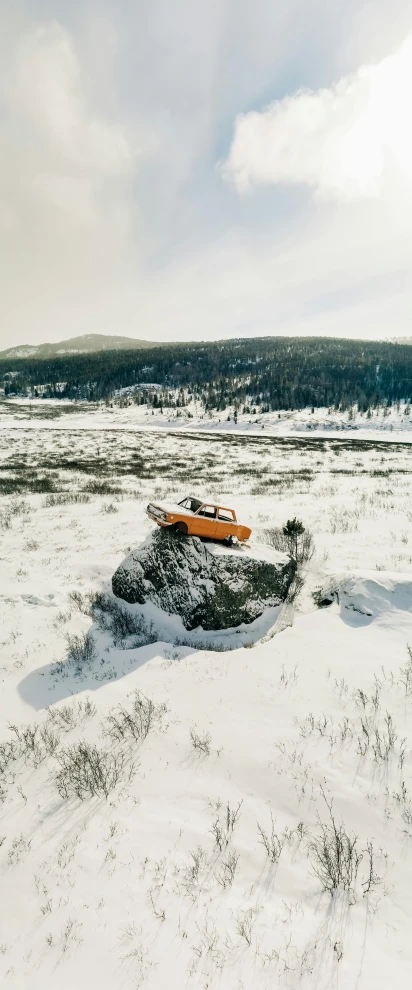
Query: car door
[
  {"x": 225, "y": 524},
  {"x": 204, "y": 521}
]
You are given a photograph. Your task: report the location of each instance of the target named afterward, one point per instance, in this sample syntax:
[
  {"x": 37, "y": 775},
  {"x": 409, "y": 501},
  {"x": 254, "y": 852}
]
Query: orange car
[{"x": 195, "y": 518}]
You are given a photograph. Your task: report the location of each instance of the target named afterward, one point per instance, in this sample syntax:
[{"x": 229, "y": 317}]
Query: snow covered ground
[
  {"x": 167, "y": 881},
  {"x": 395, "y": 421}
]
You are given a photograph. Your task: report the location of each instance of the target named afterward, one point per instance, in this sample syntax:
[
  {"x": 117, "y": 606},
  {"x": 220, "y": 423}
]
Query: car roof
[{"x": 209, "y": 501}]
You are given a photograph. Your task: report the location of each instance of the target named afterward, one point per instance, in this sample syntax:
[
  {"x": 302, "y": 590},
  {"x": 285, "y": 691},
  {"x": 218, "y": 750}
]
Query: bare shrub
[
  {"x": 69, "y": 934},
  {"x": 384, "y": 742},
  {"x": 16, "y": 507},
  {"x": 120, "y": 622},
  {"x": 5, "y": 520},
  {"x": 209, "y": 942},
  {"x": 64, "y": 717},
  {"x": 81, "y": 650},
  {"x": 406, "y": 813},
  {"x": 195, "y": 867},
  {"x": 372, "y": 879},
  {"x": 228, "y": 870},
  {"x": 20, "y": 846},
  {"x": 288, "y": 677},
  {"x": 345, "y": 730},
  {"x": 222, "y": 829},
  {"x": 33, "y": 742},
  {"x": 361, "y": 698},
  {"x": 19, "y": 507},
  {"x": 205, "y": 644},
  {"x": 343, "y": 521},
  {"x": 68, "y": 716},
  {"x": 102, "y": 487},
  {"x": 375, "y": 697},
  {"x": 158, "y": 912},
  {"x": 86, "y": 771},
  {"x": 292, "y": 539},
  {"x": 406, "y": 674},
  {"x": 9, "y": 752},
  {"x": 294, "y": 589},
  {"x": 66, "y": 498},
  {"x": 61, "y": 618},
  {"x": 109, "y": 508},
  {"x": 336, "y": 857},
  {"x": 201, "y": 742},
  {"x": 29, "y": 743},
  {"x": 307, "y": 727},
  {"x": 50, "y": 739},
  {"x": 276, "y": 538},
  {"x": 306, "y": 548},
  {"x": 32, "y": 545},
  {"x": 244, "y": 925},
  {"x": 402, "y": 752},
  {"x": 273, "y": 842},
  {"x": 135, "y": 722},
  {"x": 81, "y": 602},
  {"x": 365, "y": 738}
]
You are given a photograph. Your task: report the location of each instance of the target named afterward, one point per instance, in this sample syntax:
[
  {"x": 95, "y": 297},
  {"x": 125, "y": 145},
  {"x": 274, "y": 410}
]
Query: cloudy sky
[{"x": 176, "y": 169}]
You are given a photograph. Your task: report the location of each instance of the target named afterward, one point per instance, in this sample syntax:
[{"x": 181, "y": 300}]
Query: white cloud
[
  {"x": 47, "y": 89},
  {"x": 62, "y": 161},
  {"x": 343, "y": 142},
  {"x": 66, "y": 173}
]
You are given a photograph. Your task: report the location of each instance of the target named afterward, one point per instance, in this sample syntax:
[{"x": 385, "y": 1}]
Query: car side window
[
  {"x": 225, "y": 515},
  {"x": 208, "y": 511}
]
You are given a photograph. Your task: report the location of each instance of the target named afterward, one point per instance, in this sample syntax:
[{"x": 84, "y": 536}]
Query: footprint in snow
[{"x": 46, "y": 601}]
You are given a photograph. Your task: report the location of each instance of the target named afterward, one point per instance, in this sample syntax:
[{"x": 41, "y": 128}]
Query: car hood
[{"x": 171, "y": 507}]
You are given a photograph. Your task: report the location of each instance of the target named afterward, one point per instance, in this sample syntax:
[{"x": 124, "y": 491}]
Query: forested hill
[
  {"x": 276, "y": 372},
  {"x": 87, "y": 343}
]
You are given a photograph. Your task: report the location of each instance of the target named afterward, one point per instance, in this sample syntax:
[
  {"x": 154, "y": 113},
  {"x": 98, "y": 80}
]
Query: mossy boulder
[{"x": 206, "y": 584}]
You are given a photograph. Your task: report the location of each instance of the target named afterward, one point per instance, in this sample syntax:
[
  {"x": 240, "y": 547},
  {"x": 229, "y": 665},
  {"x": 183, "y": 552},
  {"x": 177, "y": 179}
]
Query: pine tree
[{"x": 293, "y": 531}]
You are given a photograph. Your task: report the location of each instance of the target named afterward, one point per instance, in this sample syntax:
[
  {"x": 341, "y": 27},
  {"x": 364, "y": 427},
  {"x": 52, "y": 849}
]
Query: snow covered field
[
  {"x": 392, "y": 421},
  {"x": 204, "y": 866}
]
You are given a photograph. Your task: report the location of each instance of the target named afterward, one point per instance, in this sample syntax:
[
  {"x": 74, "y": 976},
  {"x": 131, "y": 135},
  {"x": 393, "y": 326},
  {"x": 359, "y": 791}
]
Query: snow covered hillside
[{"x": 181, "y": 811}]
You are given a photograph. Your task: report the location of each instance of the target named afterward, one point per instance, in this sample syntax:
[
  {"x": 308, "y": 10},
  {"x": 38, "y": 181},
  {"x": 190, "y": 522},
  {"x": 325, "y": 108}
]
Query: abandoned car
[{"x": 192, "y": 517}]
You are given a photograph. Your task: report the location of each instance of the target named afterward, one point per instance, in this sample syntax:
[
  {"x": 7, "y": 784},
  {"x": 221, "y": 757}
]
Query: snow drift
[
  {"x": 368, "y": 594},
  {"x": 208, "y": 585}
]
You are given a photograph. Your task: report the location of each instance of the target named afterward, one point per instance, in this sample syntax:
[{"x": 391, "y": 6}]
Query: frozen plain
[{"x": 133, "y": 890}]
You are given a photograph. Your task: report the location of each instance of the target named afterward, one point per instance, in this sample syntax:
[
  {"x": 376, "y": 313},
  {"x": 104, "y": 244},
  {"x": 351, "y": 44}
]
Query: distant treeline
[{"x": 269, "y": 372}]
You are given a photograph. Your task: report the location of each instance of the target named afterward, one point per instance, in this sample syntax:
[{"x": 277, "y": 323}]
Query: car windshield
[{"x": 191, "y": 503}]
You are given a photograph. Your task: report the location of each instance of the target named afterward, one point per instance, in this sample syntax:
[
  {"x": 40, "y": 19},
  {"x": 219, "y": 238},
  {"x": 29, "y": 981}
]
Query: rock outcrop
[{"x": 206, "y": 584}]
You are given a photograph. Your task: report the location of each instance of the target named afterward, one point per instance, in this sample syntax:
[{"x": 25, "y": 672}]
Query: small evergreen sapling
[{"x": 293, "y": 531}]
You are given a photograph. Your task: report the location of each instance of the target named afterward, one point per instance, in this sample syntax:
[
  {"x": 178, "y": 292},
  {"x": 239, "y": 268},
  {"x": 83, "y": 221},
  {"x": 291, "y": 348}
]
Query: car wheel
[{"x": 181, "y": 528}]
